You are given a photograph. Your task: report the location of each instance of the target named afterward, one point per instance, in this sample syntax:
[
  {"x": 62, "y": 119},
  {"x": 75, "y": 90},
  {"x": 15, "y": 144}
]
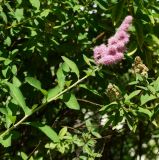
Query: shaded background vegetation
[{"x": 34, "y": 34}]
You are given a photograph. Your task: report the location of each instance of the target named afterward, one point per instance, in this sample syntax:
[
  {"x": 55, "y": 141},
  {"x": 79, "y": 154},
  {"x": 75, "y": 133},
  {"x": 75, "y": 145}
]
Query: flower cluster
[
  {"x": 113, "y": 52},
  {"x": 139, "y": 67}
]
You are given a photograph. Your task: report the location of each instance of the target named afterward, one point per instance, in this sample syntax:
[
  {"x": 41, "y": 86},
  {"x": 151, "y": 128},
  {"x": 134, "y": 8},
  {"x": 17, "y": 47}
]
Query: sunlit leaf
[
  {"x": 70, "y": 101},
  {"x": 72, "y": 65},
  {"x": 18, "y": 97},
  {"x": 47, "y": 130}
]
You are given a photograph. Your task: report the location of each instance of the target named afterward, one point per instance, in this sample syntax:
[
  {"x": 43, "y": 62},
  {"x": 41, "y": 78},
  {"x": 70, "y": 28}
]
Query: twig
[
  {"x": 34, "y": 150},
  {"x": 87, "y": 101}
]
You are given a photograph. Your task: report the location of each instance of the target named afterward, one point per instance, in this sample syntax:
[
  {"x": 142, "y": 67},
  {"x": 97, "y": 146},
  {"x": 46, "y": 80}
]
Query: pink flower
[
  {"x": 120, "y": 47},
  {"x": 114, "y": 51},
  {"x": 111, "y": 59},
  {"x": 125, "y": 24},
  {"x": 119, "y": 56},
  {"x": 122, "y": 36},
  {"x": 128, "y": 19},
  {"x": 124, "y": 27},
  {"x": 112, "y": 41},
  {"x": 99, "y": 51},
  {"x": 111, "y": 50}
]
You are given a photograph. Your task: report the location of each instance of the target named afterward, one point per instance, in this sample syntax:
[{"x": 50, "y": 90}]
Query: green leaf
[
  {"x": 145, "y": 111},
  {"x": 89, "y": 89},
  {"x": 52, "y": 93},
  {"x": 45, "y": 13},
  {"x": 47, "y": 130},
  {"x": 62, "y": 132},
  {"x": 60, "y": 77},
  {"x": 152, "y": 89},
  {"x": 18, "y": 97},
  {"x": 19, "y": 14},
  {"x": 117, "y": 11},
  {"x": 3, "y": 15},
  {"x": 70, "y": 101},
  {"x": 35, "y": 3},
  {"x": 6, "y": 140},
  {"x": 34, "y": 82},
  {"x": 104, "y": 108},
  {"x": 132, "y": 95},
  {"x": 146, "y": 98},
  {"x": 16, "y": 81},
  {"x": 101, "y": 4},
  {"x": 96, "y": 134},
  {"x": 72, "y": 65},
  {"x": 139, "y": 33},
  {"x": 24, "y": 156},
  {"x": 155, "y": 39},
  {"x": 156, "y": 84},
  {"x": 8, "y": 41}
]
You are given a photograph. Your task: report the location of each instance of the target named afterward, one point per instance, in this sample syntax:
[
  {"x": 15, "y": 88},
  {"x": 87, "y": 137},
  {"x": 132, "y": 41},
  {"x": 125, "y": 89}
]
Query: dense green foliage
[{"x": 56, "y": 103}]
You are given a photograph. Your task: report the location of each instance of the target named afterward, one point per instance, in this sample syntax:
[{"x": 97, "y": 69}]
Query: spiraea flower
[{"x": 113, "y": 52}]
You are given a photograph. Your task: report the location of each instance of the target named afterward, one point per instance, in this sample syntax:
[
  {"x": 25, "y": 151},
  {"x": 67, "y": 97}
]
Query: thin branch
[
  {"x": 34, "y": 150},
  {"x": 90, "y": 102}
]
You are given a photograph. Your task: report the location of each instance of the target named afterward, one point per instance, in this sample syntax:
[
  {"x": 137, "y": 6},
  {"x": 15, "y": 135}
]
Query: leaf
[
  {"x": 19, "y": 14},
  {"x": 155, "y": 39},
  {"x": 60, "y": 77},
  {"x": 96, "y": 134},
  {"x": 34, "y": 82},
  {"x": 89, "y": 89},
  {"x": 156, "y": 84},
  {"x": 72, "y": 65},
  {"x": 24, "y": 156},
  {"x": 101, "y": 5},
  {"x": 70, "y": 101},
  {"x": 152, "y": 89},
  {"x": 3, "y": 15},
  {"x": 35, "y": 3},
  {"x": 47, "y": 130},
  {"x": 45, "y": 13},
  {"x": 52, "y": 93},
  {"x": 145, "y": 111},
  {"x": 104, "y": 108},
  {"x": 18, "y": 97},
  {"x": 6, "y": 140},
  {"x": 117, "y": 11},
  {"x": 139, "y": 33},
  {"x": 8, "y": 41},
  {"x": 146, "y": 98},
  {"x": 16, "y": 81},
  {"x": 62, "y": 132},
  {"x": 132, "y": 95}
]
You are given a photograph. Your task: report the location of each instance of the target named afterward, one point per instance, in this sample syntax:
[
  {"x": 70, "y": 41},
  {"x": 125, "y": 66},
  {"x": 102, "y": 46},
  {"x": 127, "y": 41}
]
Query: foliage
[{"x": 56, "y": 103}]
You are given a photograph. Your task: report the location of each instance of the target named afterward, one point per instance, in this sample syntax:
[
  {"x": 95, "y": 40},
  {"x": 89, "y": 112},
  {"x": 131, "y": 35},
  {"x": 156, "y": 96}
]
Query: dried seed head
[
  {"x": 113, "y": 92},
  {"x": 139, "y": 67}
]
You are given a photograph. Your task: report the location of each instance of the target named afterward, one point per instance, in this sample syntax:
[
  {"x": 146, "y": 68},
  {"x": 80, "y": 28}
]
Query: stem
[{"x": 42, "y": 105}]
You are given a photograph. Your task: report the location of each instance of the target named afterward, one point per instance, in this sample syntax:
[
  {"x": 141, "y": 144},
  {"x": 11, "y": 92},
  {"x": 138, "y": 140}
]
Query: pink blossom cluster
[{"x": 113, "y": 52}]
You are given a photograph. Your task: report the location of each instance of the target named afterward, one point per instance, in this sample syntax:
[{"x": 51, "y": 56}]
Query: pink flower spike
[
  {"x": 120, "y": 47},
  {"x": 123, "y": 36},
  {"x": 99, "y": 51},
  {"x": 124, "y": 27},
  {"x": 128, "y": 19},
  {"x": 112, "y": 41},
  {"x": 111, "y": 50},
  {"x": 107, "y": 60},
  {"x": 119, "y": 56}
]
